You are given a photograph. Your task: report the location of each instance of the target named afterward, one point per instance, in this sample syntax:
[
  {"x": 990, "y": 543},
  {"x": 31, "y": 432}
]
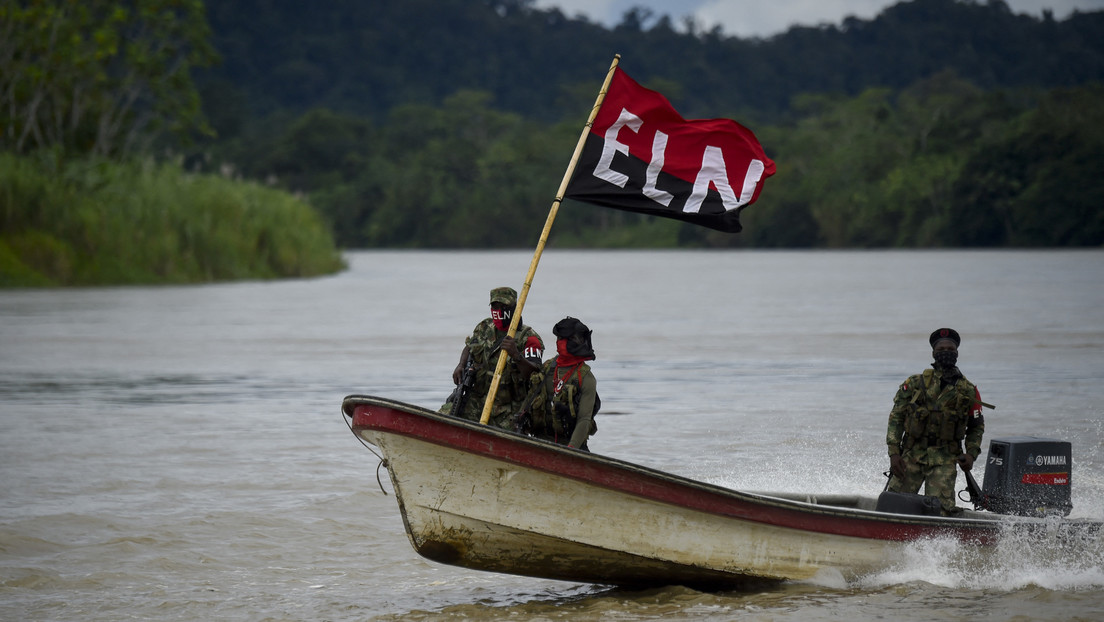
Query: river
[{"x": 178, "y": 452}]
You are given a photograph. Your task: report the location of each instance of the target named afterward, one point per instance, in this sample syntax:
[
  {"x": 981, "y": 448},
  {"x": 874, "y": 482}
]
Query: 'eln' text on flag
[{"x": 642, "y": 156}]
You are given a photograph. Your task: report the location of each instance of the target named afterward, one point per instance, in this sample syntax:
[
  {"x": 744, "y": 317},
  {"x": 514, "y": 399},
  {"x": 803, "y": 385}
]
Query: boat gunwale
[{"x": 756, "y": 507}]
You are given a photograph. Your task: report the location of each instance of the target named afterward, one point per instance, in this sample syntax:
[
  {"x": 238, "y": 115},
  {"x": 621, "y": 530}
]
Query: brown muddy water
[{"x": 177, "y": 453}]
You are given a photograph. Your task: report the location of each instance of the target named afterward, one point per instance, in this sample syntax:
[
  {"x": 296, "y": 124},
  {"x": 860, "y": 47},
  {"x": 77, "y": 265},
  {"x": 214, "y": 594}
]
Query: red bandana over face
[
  {"x": 565, "y": 358},
  {"x": 501, "y": 318}
]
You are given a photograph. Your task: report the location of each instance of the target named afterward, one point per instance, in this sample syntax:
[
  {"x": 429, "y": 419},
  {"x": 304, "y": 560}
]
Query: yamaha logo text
[{"x": 1041, "y": 460}]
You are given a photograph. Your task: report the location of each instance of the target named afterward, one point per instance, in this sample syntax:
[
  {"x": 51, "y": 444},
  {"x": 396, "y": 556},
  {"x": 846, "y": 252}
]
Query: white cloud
[{"x": 763, "y": 18}]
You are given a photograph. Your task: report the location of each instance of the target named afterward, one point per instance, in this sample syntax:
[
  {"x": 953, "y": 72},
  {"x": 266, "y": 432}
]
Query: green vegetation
[
  {"x": 129, "y": 155},
  {"x": 449, "y": 123},
  {"x": 939, "y": 164},
  {"x": 93, "y": 221},
  {"x": 100, "y": 76},
  {"x": 86, "y": 89},
  {"x": 366, "y": 58}
]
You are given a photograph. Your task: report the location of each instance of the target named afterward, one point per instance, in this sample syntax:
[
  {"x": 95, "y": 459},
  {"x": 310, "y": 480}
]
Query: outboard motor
[{"x": 1028, "y": 476}]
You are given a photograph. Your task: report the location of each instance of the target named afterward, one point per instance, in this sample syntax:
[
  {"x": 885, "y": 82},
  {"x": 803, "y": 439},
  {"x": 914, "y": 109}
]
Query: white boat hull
[
  {"x": 506, "y": 518},
  {"x": 478, "y": 497}
]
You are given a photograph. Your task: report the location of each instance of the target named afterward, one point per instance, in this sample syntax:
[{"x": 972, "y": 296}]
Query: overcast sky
[{"x": 763, "y": 18}]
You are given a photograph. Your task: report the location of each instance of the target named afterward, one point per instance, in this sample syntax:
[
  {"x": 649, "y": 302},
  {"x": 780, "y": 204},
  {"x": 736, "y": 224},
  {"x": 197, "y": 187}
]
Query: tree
[
  {"x": 100, "y": 76},
  {"x": 1038, "y": 183}
]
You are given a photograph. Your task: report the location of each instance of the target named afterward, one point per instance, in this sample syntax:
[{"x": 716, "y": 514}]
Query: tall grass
[{"x": 89, "y": 222}]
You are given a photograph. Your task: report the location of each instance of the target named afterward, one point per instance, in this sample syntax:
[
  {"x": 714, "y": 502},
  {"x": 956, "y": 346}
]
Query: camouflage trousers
[{"x": 938, "y": 480}]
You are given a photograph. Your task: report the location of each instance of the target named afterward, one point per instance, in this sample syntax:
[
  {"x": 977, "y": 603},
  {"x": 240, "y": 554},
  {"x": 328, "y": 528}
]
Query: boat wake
[{"x": 1054, "y": 560}]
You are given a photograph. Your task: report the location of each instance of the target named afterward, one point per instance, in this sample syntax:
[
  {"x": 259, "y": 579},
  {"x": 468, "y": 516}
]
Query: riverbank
[{"x": 93, "y": 222}]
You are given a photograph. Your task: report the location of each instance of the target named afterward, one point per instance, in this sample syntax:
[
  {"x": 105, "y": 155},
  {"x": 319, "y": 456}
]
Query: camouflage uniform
[
  {"x": 483, "y": 348},
  {"x": 565, "y": 416},
  {"x": 926, "y": 428}
]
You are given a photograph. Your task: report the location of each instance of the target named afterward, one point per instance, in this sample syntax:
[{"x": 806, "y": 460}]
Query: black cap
[
  {"x": 569, "y": 326},
  {"x": 945, "y": 333}
]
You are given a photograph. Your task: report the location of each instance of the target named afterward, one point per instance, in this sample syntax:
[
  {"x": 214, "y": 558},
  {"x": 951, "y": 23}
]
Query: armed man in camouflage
[
  {"x": 481, "y": 349},
  {"x": 932, "y": 414},
  {"x": 561, "y": 405}
]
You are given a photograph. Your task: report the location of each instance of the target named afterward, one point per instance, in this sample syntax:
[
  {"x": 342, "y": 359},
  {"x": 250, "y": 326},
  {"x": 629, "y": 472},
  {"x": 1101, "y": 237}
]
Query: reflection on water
[{"x": 178, "y": 452}]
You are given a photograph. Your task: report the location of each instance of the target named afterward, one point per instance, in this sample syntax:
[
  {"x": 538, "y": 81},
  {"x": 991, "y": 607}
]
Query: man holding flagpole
[
  {"x": 636, "y": 153},
  {"x": 481, "y": 350}
]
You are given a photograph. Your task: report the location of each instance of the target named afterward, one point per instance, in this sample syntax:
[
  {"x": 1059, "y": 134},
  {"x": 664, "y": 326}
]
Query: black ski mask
[{"x": 945, "y": 359}]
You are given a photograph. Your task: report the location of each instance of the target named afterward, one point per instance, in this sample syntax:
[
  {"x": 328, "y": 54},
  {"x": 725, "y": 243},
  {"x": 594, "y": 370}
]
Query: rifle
[
  {"x": 522, "y": 422},
  {"x": 972, "y": 489},
  {"x": 462, "y": 391}
]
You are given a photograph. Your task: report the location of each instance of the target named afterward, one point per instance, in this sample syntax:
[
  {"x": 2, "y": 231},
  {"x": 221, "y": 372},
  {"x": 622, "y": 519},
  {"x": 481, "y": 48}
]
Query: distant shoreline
[{"x": 86, "y": 221}]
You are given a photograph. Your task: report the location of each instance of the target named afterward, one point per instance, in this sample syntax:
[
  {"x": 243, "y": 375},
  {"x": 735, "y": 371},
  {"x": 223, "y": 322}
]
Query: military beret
[
  {"x": 945, "y": 333},
  {"x": 505, "y": 295}
]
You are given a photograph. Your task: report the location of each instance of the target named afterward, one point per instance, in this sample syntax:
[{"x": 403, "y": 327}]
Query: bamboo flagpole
[{"x": 514, "y": 321}]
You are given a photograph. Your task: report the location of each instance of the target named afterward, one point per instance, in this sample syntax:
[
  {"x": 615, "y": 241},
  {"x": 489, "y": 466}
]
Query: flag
[{"x": 640, "y": 155}]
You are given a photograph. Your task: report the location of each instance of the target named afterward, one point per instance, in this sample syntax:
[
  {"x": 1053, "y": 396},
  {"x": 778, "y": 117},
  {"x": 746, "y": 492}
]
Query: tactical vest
[
  {"x": 553, "y": 413},
  {"x": 937, "y": 417}
]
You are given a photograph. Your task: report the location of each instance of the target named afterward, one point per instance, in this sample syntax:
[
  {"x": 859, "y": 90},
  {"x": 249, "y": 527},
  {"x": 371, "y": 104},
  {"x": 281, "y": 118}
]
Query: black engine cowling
[{"x": 1028, "y": 476}]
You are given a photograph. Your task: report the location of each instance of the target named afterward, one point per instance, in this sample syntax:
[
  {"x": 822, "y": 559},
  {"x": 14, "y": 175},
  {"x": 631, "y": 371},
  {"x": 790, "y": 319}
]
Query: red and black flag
[{"x": 642, "y": 156}]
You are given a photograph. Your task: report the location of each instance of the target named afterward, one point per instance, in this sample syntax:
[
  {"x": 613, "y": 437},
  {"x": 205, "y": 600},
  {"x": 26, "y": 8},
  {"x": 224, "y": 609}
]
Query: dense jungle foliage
[
  {"x": 180, "y": 126},
  {"x": 449, "y": 123},
  {"x": 86, "y": 90}
]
